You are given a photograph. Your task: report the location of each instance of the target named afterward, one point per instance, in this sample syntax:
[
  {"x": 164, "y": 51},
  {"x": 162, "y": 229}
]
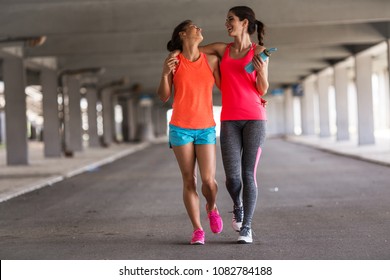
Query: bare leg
[
  {"x": 206, "y": 157},
  {"x": 186, "y": 159}
]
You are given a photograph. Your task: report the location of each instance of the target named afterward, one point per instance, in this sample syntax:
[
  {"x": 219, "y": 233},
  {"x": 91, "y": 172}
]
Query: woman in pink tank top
[
  {"x": 192, "y": 128},
  {"x": 243, "y": 116}
]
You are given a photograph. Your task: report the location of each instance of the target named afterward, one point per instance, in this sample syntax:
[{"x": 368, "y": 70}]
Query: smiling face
[
  {"x": 192, "y": 32},
  {"x": 234, "y": 26}
]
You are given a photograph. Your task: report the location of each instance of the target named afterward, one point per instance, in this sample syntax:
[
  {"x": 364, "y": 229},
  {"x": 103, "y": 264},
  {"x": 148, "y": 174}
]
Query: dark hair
[
  {"x": 175, "y": 43},
  {"x": 244, "y": 12}
]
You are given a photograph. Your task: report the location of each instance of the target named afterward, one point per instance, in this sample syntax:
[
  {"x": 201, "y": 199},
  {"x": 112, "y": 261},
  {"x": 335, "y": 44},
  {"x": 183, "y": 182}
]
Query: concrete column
[
  {"x": 122, "y": 101},
  {"x": 131, "y": 119},
  {"x": 107, "y": 116},
  {"x": 160, "y": 120},
  {"x": 15, "y": 111},
  {"x": 276, "y": 116},
  {"x": 91, "y": 96},
  {"x": 117, "y": 130},
  {"x": 145, "y": 131},
  {"x": 323, "y": 102},
  {"x": 388, "y": 73},
  {"x": 163, "y": 121},
  {"x": 155, "y": 119},
  {"x": 51, "y": 130},
  {"x": 75, "y": 125},
  {"x": 363, "y": 64},
  {"x": 307, "y": 105},
  {"x": 289, "y": 111},
  {"x": 341, "y": 90},
  {"x": 2, "y": 127}
]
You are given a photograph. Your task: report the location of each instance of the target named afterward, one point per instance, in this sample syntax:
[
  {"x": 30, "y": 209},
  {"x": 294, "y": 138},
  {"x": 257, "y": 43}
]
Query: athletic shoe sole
[
  {"x": 244, "y": 242},
  {"x": 197, "y": 243}
]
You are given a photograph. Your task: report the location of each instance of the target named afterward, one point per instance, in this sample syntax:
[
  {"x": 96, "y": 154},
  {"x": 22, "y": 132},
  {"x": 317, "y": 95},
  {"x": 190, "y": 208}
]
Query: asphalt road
[{"x": 312, "y": 205}]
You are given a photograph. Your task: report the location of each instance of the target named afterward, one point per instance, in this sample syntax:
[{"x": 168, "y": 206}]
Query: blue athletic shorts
[{"x": 180, "y": 136}]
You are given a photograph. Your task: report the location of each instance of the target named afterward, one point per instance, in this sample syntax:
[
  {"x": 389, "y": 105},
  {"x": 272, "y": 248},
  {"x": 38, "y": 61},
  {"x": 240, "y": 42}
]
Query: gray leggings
[{"x": 241, "y": 145}]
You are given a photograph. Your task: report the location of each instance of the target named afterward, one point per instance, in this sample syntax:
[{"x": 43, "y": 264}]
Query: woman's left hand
[{"x": 259, "y": 64}]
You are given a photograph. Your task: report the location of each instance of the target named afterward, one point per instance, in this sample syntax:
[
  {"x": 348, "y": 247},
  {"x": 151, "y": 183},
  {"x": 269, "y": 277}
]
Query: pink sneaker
[
  {"x": 216, "y": 223},
  {"x": 197, "y": 237}
]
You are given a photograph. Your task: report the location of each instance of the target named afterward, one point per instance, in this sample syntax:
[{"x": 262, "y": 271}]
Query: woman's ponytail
[
  {"x": 244, "y": 12},
  {"x": 172, "y": 46},
  {"x": 260, "y": 32},
  {"x": 175, "y": 43}
]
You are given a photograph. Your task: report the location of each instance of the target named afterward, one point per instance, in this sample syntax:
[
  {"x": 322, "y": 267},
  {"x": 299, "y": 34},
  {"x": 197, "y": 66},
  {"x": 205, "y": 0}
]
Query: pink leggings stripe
[{"x": 257, "y": 162}]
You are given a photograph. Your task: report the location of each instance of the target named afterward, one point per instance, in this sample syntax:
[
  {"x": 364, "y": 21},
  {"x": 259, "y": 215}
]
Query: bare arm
[
  {"x": 217, "y": 76},
  {"x": 214, "y": 49},
  {"x": 214, "y": 66},
  {"x": 165, "y": 88},
  {"x": 211, "y": 49}
]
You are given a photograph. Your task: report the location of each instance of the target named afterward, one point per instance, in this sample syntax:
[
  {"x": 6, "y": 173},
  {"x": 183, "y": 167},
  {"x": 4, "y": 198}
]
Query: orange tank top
[{"x": 193, "y": 101}]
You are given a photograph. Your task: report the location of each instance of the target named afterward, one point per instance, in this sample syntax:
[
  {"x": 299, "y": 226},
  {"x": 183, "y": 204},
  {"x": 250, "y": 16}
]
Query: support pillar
[
  {"x": 15, "y": 111},
  {"x": 276, "y": 116},
  {"x": 289, "y": 111},
  {"x": 132, "y": 118},
  {"x": 51, "y": 129},
  {"x": 107, "y": 116},
  {"x": 116, "y": 132},
  {"x": 388, "y": 74},
  {"x": 75, "y": 125},
  {"x": 160, "y": 120},
  {"x": 128, "y": 123},
  {"x": 307, "y": 105},
  {"x": 341, "y": 90},
  {"x": 323, "y": 102},
  {"x": 91, "y": 96},
  {"x": 2, "y": 127},
  {"x": 363, "y": 64},
  {"x": 145, "y": 131},
  {"x": 122, "y": 101}
]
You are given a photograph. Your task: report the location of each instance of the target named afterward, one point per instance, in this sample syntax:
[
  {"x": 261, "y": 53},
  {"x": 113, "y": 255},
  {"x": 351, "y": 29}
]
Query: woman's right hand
[{"x": 171, "y": 63}]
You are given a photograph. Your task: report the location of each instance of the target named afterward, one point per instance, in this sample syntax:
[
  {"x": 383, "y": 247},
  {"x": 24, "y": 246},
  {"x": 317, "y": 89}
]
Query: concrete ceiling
[{"x": 128, "y": 37}]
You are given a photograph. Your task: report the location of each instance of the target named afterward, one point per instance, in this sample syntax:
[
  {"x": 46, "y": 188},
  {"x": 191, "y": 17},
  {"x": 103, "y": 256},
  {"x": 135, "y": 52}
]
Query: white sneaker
[
  {"x": 238, "y": 215},
  {"x": 245, "y": 236}
]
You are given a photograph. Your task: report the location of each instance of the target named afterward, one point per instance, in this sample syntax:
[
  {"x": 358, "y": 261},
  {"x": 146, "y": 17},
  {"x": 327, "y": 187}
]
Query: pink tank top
[{"x": 240, "y": 98}]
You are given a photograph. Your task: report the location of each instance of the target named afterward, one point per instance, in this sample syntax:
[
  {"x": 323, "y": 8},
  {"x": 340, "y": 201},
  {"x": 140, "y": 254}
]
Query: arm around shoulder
[
  {"x": 214, "y": 49},
  {"x": 214, "y": 66}
]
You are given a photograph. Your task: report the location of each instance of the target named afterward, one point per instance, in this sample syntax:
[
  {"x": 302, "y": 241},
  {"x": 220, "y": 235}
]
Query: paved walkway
[
  {"x": 41, "y": 172},
  {"x": 378, "y": 153},
  {"x": 17, "y": 180},
  {"x": 312, "y": 205}
]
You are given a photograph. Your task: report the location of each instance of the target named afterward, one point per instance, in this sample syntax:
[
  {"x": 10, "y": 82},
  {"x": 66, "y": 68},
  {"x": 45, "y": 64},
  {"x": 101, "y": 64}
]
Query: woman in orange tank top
[{"x": 192, "y": 128}]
